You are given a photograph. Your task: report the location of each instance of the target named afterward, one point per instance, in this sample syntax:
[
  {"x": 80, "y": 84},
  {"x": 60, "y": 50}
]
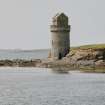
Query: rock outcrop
[
  {"x": 92, "y": 58},
  {"x": 77, "y": 59}
]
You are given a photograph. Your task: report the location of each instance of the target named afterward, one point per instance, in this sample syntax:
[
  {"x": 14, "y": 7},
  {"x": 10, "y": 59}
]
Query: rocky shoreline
[
  {"x": 64, "y": 64},
  {"x": 88, "y": 60},
  {"x": 19, "y": 63}
]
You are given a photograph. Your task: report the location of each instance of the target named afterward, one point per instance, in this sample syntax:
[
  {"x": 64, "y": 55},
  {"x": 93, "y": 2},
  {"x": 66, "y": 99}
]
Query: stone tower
[{"x": 60, "y": 36}]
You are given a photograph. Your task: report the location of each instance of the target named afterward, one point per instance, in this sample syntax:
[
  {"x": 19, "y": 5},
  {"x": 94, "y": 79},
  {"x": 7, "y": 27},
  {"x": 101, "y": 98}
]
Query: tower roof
[
  {"x": 60, "y": 19},
  {"x": 59, "y": 15}
]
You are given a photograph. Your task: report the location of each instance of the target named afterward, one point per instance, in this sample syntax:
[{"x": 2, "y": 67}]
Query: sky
[{"x": 25, "y": 24}]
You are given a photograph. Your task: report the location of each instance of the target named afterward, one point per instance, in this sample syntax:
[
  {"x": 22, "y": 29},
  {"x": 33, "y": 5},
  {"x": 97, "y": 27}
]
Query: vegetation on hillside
[{"x": 92, "y": 46}]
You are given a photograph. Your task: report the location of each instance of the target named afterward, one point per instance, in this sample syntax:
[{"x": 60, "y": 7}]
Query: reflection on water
[
  {"x": 60, "y": 71},
  {"x": 36, "y": 86}
]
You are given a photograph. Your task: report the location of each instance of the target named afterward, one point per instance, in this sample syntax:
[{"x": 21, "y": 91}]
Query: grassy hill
[{"x": 92, "y": 46}]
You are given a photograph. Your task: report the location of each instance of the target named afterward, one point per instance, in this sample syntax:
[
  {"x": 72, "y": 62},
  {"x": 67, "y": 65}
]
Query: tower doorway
[{"x": 60, "y": 56}]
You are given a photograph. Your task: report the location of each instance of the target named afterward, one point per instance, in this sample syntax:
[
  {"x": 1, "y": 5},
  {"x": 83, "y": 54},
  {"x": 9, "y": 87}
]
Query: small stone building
[{"x": 60, "y": 36}]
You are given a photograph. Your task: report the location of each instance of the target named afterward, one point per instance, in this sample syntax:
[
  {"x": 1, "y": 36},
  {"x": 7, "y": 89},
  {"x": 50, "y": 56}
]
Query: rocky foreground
[
  {"x": 81, "y": 58},
  {"x": 84, "y": 59}
]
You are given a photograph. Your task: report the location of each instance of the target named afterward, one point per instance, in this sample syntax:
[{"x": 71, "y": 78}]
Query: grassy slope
[{"x": 92, "y": 46}]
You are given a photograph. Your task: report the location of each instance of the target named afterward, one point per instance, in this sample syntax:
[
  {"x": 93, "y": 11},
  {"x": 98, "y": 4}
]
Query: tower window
[{"x": 52, "y": 42}]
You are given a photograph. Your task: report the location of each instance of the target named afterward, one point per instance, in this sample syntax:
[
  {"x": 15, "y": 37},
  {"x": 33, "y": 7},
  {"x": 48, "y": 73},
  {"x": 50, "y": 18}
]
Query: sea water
[
  {"x": 23, "y": 54},
  {"x": 39, "y": 86}
]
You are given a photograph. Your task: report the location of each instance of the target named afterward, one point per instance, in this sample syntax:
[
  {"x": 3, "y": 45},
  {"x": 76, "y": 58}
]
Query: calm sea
[
  {"x": 34, "y": 86},
  {"x": 18, "y": 54},
  {"x": 39, "y": 86}
]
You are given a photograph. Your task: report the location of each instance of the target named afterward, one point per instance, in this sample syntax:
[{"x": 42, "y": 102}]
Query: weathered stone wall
[
  {"x": 60, "y": 36},
  {"x": 60, "y": 44}
]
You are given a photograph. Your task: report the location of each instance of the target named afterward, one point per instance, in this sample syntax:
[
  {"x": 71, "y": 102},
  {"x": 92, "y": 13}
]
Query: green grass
[{"x": 92, "y": 46}]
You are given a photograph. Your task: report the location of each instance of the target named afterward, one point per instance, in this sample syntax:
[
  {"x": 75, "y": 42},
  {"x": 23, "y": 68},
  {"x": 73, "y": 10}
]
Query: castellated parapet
[{"x": 60, "y": 36}]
